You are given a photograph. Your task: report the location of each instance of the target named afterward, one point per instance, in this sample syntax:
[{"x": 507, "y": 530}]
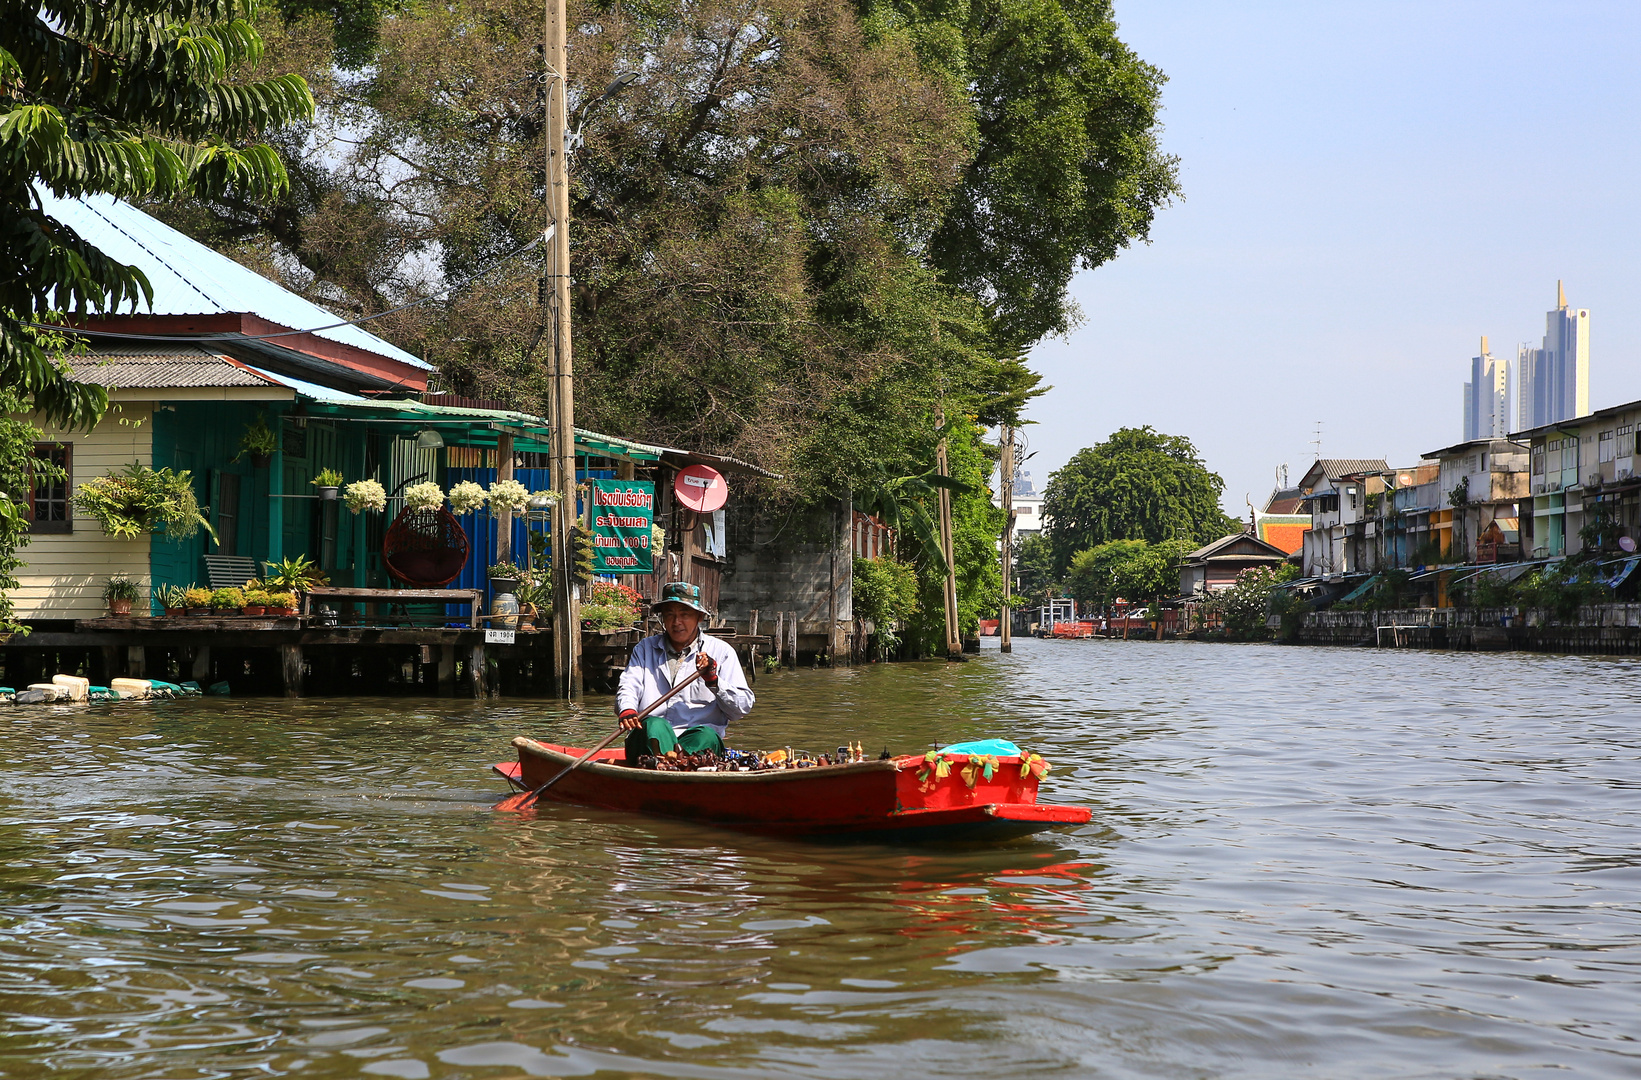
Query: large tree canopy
[
  {"x": 1066, "y": 170},
  {"x": 748, "y": 218},
  {"x": 803, "y": 231},
  {"x": 799, "y": 225},
  {"x": 136, "y": 98},
  {"x": 1131, "y": 570},
  {"x": 1137, "y": 485}
]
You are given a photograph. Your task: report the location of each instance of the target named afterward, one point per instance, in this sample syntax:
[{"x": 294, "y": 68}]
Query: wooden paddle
[{"x": 526, "y": 799}]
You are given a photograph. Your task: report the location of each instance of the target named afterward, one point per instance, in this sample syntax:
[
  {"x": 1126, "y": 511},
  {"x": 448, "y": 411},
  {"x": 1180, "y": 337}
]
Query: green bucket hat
[{"x": 682, "y": 592}]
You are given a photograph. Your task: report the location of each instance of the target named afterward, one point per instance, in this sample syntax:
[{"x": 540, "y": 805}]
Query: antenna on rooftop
[{"x": 1317, "y": 442}]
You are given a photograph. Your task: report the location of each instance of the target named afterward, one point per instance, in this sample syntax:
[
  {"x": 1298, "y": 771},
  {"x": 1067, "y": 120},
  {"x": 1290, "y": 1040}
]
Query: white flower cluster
[
  {"x": 466, "y": 497},
  {"x": 506, "y": 495},
  {"x": 424, "y": 496},
  {"x": 365, "y": 495}
]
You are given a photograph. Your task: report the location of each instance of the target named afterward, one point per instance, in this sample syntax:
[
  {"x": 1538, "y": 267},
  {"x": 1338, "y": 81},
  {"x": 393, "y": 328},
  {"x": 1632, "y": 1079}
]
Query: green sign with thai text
[{"x": 623, "y": 512}]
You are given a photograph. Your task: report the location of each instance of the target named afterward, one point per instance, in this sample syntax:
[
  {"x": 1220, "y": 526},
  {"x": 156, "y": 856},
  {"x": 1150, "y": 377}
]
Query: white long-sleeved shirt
[{"x": 647, "y": 678}]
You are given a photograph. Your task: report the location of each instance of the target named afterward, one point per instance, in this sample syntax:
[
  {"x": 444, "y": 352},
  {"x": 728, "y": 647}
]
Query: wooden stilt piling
[{"x": 290, "y": 669}]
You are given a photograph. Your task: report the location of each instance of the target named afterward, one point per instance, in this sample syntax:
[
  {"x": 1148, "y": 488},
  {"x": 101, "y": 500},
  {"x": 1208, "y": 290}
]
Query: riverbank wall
[{"x": 1599, "y": 629}]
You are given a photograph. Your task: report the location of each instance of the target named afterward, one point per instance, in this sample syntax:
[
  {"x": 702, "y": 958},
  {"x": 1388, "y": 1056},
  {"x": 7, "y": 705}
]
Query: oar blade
[
  {"x": 526, "y": 799},
  {"x": 522, "y": 800}
]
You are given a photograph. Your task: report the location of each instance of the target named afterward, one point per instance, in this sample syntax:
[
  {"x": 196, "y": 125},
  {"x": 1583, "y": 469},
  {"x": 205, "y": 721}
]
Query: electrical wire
[{"x": 297, "y": 333}]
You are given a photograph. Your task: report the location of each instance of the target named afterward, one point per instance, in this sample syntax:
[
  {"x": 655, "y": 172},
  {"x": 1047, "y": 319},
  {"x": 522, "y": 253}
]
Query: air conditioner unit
[
  {"x": 1625, "y": 474},
  {"x": 1593, "y": 480}
]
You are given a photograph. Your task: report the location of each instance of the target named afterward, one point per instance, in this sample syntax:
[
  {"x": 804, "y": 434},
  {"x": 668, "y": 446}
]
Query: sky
[{"x": 1368, "y": 189}]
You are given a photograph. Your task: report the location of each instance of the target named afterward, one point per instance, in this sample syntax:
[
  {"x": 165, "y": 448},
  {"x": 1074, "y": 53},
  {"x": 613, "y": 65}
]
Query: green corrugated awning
[
  {"x": 592, "y": 442},
  {"x": 457, "y": 426},
  {"x": 463, "y": 425}
]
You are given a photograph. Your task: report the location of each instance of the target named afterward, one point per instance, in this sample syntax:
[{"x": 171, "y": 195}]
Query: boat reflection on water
[{"x": 1032, "y": 901}]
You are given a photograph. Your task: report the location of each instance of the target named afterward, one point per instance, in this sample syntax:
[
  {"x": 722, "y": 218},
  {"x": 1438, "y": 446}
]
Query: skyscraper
[
  {"x": 1554, "y": 380},
  {"x": 1487, "y": 397}
]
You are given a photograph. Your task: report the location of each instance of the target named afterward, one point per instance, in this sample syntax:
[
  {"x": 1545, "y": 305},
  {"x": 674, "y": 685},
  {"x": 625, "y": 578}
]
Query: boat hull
[{"x": 889, "y": 799}]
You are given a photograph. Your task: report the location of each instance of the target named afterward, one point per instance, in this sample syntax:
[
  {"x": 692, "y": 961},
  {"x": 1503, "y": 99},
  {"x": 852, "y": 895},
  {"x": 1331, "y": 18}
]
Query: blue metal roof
[
  {"x": 308, "y": 389},
  {"x": 191, "y": 279}
]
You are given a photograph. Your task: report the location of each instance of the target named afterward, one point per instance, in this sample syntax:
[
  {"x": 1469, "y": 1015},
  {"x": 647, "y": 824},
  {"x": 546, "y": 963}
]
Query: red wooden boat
[{"x": 902, "y": 798}]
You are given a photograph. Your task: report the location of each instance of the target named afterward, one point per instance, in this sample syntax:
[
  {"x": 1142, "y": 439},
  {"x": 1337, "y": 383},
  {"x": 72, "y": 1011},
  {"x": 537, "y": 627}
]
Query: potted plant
[
  {"x": 608, "y": 606},
  {"x": 281, "y": 604},
  {"x": 257, "y": 442},
  {"x": 505, "y": 577},
  {"x": 531, "y": 596},
  {"x": 119, "y": 594},
  {"x": 363, "y": 495},
  {"x": 292, "y": 575},
  {"x": 197, "y": 600},
  {"x": 227, "y": 601},
  {"x": 256, "y": 601},
  {"x": 173, "y": 598},
  {"x": 328, "y": 481},
  {"x": 141, "y": 499}
]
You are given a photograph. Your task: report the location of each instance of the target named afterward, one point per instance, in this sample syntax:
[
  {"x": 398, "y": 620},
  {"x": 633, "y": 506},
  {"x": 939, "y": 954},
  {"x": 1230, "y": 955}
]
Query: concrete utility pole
[
  {"x": 954, "y": 644},
  {"x": 1006, "y": 478},
  {"x": 566, "y": 624}
]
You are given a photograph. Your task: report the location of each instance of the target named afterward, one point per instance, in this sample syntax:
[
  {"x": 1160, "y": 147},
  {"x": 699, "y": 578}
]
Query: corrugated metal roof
[
  {"x": 191, "y": 279},
  {"x": 1334, "y": 468},
  {"x": 166, "y": 369},
  {"x": 307, "y": 389}
]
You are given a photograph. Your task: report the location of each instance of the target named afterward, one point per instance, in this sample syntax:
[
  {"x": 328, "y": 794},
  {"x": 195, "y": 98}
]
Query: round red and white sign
[{"x": 701, "y": 488}]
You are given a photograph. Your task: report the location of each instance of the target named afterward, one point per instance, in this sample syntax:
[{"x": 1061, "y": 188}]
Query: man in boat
[{"x": 694, "y": 720}]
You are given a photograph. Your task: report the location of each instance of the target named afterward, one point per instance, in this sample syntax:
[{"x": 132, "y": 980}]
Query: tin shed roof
[{"x": 192, "y": 279}]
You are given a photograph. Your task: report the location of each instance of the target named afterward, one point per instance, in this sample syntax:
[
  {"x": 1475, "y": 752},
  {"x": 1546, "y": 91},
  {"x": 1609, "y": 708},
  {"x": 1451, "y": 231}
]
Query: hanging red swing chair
[{"x": 425, "y": 549}]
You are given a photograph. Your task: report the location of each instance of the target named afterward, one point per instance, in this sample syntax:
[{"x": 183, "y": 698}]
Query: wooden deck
[
  {"x": 297, "y": 656},
  {"x": 305, "y": 655}
]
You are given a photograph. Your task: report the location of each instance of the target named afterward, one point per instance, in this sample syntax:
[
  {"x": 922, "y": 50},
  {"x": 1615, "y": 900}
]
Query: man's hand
[
  {"x": 708, "y": 667},
  {"x": 629, "y": 720}
]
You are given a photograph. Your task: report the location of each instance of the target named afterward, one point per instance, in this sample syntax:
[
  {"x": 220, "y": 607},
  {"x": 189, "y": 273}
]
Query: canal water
[{"x": 1303, "y": 862}]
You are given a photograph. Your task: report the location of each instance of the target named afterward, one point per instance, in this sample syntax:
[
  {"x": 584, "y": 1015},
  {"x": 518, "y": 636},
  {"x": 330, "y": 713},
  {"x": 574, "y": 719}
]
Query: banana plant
[{"x": 902, "y": 503}]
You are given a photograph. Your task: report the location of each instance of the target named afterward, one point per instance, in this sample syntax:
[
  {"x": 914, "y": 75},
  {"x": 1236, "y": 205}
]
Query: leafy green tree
[
  {"x": 1137, "y": 485},
  {"x": 1066, "y": 169},
  {"x": 802, "y": 228},
  {"x": 134, "y": 98},
  {"x": 885, "y": 591},
  {"x": 1035, "y": 580},
  {"x": 1246, "y": 604},
  {"x": 783, "y": 252},
  {"x": 1132, "y": 570},
  {"x": 749, "y": 223}
]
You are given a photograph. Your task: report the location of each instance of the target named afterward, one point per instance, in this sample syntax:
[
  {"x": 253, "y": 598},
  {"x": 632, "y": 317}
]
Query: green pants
[{"x": 656, "y": 737}]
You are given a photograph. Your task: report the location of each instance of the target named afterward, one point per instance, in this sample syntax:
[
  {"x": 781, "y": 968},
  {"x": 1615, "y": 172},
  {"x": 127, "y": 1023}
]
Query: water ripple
[{"x": 1330, "y": 863}]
